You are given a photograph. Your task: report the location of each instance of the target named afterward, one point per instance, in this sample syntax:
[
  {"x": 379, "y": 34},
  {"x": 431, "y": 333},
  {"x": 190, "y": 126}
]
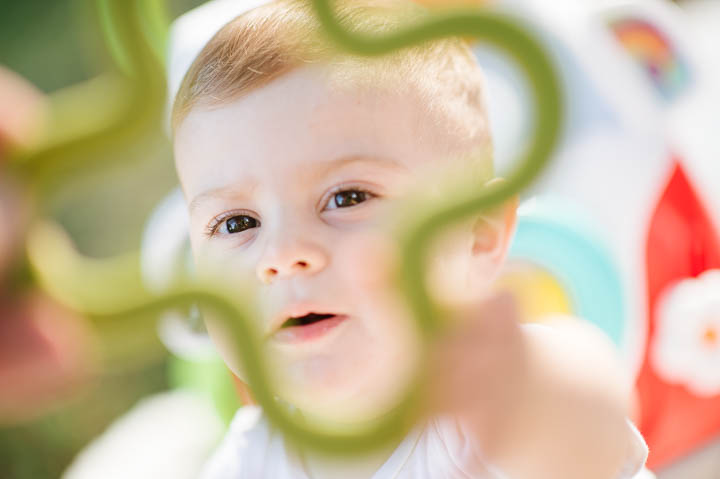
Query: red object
[
  {"x": 681, "y": 243},
  {"x": 45, "y": 356}
]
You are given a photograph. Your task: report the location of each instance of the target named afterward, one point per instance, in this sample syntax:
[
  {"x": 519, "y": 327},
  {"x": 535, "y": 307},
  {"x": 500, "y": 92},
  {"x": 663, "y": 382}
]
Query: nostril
[{"x": 269, "y": 274}]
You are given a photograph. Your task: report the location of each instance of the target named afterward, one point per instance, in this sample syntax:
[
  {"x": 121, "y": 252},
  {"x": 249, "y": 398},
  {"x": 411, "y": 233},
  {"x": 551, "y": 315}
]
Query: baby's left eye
[{"x": 347, "y": 198}]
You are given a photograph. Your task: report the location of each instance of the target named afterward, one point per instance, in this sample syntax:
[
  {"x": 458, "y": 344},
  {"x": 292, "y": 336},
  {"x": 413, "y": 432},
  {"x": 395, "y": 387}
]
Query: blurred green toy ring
[{"x": 414, "y": 235}]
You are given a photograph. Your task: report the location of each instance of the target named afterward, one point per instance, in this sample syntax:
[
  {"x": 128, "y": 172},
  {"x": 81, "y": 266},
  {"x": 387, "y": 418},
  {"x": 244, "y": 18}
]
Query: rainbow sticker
[
  {"x": 567, "y": 264},
  {"x": 656, "y": 55}
]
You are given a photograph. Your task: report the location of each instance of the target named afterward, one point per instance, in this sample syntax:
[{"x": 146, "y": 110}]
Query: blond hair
[{"x": 272, "y": 40}]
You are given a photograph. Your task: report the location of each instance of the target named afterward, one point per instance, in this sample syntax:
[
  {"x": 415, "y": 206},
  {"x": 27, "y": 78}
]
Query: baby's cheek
[
  {"x": 224, "y": 343},
  {"x": 220, "y": 265},
  {"x": 365, "y": 264},
  {"x": 364, "y": 261},
  {"x": 218, "y": 258}
]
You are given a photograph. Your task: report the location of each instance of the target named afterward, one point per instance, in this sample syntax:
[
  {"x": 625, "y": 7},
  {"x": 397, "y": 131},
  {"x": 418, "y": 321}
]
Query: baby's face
[{"x": 290, "y": 184}]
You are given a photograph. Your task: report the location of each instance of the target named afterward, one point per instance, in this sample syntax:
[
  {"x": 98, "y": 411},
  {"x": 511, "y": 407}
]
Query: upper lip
[{"x": 298, "y": 310}]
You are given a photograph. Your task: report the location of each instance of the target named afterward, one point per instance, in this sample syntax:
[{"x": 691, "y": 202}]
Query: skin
[
  {"x": 333, "y": 140},
  {"x": 23, "y": 112},
  {"x": 277, "y": 159}
]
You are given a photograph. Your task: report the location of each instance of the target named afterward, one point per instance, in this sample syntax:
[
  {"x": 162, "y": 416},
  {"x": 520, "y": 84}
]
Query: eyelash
[
  {"x": 212, "y": 227},
  {"x": 344, "y": 189}
]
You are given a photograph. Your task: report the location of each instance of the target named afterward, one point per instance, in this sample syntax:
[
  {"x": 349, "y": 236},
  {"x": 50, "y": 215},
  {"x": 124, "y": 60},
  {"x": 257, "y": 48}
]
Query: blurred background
[{"x": 621, "y": 230}]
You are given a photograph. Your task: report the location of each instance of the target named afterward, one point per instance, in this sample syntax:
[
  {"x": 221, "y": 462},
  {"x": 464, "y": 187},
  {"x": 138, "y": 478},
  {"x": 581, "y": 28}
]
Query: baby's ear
[
  {"x": 492, "y": 233},
  {"x": 467, "y": 259}
]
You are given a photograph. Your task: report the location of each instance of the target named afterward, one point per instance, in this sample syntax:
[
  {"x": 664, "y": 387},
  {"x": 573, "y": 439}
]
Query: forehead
[{"x": 301, "y": 120}]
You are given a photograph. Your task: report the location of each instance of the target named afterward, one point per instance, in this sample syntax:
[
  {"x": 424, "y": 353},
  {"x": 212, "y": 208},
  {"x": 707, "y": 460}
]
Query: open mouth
[
  {"x": 308, "y": 319},
  {"x": 308, "y": 327}
]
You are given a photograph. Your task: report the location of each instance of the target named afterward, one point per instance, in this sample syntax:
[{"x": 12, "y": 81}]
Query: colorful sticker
[
  {"x": 538, "y": 292},
  {"x": 655, "y": 54},
  {"x": 557, "y": 238}
]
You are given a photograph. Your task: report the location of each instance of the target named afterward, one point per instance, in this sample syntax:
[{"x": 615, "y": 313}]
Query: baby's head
[{"x": 291, "y": 154}]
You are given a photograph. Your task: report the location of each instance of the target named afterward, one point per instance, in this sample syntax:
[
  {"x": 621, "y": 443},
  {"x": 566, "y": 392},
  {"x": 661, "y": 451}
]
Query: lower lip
[{"x": 309, "y": 332}]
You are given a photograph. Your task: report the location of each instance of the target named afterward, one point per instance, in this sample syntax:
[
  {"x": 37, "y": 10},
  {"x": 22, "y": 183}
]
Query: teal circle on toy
[{"x": 560, "y": 239}]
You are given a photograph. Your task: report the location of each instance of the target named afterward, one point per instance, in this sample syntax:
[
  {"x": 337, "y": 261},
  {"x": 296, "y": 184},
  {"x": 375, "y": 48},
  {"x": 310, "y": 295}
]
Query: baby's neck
[{"x": 353, "y": 467}]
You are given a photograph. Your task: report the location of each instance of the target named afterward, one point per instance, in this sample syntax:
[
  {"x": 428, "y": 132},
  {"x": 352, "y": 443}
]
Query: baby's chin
[
  {"x": 356, "y": 379},
  {"x": 355, "y": 375}
]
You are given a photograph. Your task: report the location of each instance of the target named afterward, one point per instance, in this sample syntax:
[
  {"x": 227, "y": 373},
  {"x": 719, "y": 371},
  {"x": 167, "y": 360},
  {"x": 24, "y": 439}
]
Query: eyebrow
[
  {"x": 227, "y": 190},
  {"x": 321, "y": 169},
  {"x": 326, "y": 167}
]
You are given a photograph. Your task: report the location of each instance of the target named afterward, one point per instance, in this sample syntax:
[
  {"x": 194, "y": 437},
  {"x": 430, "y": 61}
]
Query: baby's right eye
[{"x": 233, "y": 224}]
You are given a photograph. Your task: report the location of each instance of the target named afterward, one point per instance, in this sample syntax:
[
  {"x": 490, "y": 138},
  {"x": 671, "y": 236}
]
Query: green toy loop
[
  {"x": 121, "y": 37},
  {"x": 135, "y": 32},
  {"x": 414, "y": 237}
]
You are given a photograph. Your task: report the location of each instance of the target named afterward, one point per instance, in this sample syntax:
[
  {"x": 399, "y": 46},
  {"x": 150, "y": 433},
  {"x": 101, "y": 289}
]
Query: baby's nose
[{"x": 291, "y": 261}]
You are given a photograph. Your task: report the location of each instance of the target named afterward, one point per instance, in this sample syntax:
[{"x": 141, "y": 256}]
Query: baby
[{"x": 292, "y": 155}]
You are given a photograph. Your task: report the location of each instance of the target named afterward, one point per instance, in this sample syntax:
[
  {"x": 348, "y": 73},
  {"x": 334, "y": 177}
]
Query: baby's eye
[
  {"x": 347, "y": 198},
  {"x": 236, "y": 224}
]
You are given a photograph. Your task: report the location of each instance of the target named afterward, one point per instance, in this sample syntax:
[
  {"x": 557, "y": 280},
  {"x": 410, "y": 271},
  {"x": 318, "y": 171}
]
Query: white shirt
[{"x": 253, "y": 450}]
